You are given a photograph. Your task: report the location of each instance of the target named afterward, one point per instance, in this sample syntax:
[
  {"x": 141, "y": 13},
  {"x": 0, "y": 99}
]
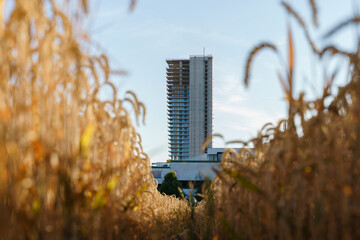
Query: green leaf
[
  {"x": 100, "y": 200},
  {"x": 245, "y": 182},
  {"x": 112, "y": 184},
  {"x": 36, "y": 205}
]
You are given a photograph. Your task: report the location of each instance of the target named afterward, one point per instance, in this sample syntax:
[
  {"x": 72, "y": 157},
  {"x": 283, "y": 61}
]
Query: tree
[{"x": 171, "y": 185}]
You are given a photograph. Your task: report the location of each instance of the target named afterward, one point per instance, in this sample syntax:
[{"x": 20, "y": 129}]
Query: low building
[{"x": 195, "y": 170}]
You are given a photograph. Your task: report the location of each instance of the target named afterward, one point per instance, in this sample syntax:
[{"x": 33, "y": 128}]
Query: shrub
[{"x": 171, "y": 185}]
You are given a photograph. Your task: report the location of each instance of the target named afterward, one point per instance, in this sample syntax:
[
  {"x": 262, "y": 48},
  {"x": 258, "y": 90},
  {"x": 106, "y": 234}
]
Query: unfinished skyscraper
[{"x": 189, "y": 95}]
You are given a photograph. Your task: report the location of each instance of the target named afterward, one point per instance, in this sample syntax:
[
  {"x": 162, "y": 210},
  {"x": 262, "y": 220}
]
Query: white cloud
[
  {"x": 255, "y": 115},
  {"x": 237, "y": 116},
  {"x": 238, "y": 42},
  {"x": 116, "y": 12},
  {"x": 228, "y": 87}
]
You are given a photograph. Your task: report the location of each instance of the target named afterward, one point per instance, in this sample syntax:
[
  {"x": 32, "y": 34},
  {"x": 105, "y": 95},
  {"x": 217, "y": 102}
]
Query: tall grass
[
  {"x": 72, "y": 165},
  {"x": 303, "y": 180}
]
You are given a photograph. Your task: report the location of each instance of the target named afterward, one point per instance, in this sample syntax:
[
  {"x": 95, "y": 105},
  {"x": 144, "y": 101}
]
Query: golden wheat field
[{"x": 72, "y": 165}]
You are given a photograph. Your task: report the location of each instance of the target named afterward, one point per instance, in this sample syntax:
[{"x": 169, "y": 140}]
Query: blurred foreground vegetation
[{"x": 72, "y": 165}]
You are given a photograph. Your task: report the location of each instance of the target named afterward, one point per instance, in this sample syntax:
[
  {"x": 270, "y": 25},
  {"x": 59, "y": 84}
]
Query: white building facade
[{"x": 195, "y": 169}]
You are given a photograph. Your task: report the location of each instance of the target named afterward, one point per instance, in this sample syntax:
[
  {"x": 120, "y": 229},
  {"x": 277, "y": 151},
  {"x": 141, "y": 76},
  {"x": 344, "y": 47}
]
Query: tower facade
[{"x": 189, "y": 96}]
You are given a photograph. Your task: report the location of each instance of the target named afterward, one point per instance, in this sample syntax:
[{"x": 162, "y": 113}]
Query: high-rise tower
[{"x": 189, "y": 94}]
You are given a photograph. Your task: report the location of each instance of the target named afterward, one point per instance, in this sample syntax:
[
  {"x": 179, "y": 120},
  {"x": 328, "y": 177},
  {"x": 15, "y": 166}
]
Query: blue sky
[{"x": 139, "y": 42}]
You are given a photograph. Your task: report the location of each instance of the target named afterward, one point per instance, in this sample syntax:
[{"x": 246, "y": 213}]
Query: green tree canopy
[{"x": 171, "y": 185}]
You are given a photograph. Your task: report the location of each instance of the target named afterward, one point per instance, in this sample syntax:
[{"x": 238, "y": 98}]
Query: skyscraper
[{"x": 189, "y": 95}]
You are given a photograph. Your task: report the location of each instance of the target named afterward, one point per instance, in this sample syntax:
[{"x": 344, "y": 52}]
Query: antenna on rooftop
[{"x": 204, "y": 51}]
